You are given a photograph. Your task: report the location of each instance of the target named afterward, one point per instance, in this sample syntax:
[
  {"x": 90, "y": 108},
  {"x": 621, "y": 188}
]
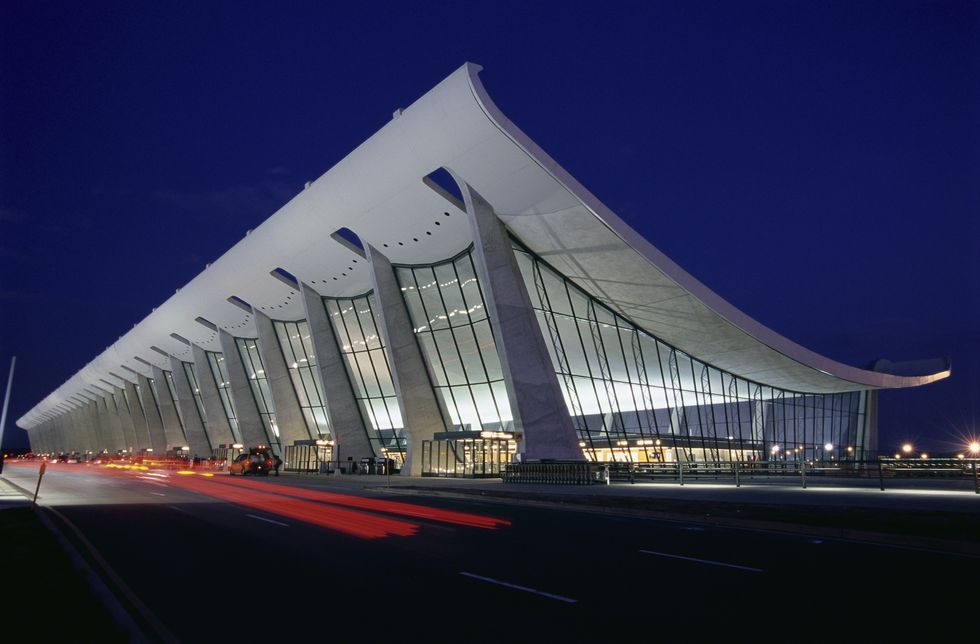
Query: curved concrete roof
[{"x": 379, "y": 192}]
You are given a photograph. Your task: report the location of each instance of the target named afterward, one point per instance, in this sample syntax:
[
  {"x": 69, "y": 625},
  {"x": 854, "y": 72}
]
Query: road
[{"x": 217, "y": 556}]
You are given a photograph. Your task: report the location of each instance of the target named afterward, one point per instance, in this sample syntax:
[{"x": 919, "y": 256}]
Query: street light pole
[{"x": 6, "y": 403}]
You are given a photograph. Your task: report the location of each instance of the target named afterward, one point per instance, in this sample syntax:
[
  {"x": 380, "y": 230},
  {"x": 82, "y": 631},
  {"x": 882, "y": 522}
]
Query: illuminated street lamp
[
  {"x": 924, "y": 456},
  {"x": 974, "y": 447},
  {"x": 907, "y": 448}
]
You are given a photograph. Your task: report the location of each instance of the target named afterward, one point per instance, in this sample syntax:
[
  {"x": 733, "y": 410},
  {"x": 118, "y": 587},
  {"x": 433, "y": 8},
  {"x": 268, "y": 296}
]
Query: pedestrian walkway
[{"x": 10, "y": 495}]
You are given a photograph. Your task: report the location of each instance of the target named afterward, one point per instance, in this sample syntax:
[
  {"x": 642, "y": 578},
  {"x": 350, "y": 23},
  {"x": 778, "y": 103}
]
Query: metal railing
[
  {"x": 803, "y": 472},
  {"x": 557, "y": 473}
]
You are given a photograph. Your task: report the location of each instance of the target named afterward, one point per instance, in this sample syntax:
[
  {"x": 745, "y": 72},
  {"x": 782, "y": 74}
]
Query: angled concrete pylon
[
  {"x": 540, "y": 413},
  {"x": 142, "y": 431},
  {"x": 154, "y": 420},
  {"x": 194, "y": 424},
  {"x": 345, "y": 418},
  {"x": 113, "y": 422},
  {"x": 289, "y": 416},
  {"x": 219, "y": 430},
  {"x": 172, "y": 426},
  {"x": 419, "y": 404},
  {"x": 246, "y": 409}
]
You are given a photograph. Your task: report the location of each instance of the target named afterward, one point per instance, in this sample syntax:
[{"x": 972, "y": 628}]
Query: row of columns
[{"x": 121, "y": 419}]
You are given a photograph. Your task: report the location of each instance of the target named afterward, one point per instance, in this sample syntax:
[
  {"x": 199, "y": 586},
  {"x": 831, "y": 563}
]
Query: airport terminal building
[{"x": 447, "y": 296}]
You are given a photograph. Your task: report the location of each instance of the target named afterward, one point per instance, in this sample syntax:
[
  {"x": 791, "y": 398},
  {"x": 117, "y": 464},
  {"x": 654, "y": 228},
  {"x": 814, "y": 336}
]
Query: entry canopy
[{"x": 381, "y": 192}]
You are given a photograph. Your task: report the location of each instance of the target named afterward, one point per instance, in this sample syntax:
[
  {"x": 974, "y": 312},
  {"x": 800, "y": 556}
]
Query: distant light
[
  {"x": 185, "y": 448},
  {"x": 897, "y": 455},
  {"x": 849, "y": 449},
  {"x": 657, "y": 442},
  {"x": 775, "y": 448},
  {"x": 960, "y": 456},
  {"x": 974, "y": 447},
  {"x": 924, "y": 455},
  {"x": 237, "y": 446},
  {"x": 907, "y": 448},
  {"x": 828, "y": 447}
]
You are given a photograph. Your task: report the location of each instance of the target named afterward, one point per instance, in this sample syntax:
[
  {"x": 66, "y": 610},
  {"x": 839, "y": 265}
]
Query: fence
[{"x": 803, "y": 472}]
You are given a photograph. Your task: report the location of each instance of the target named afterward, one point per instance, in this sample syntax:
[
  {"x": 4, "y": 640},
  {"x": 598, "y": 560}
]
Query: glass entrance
[{"x": 466, "y": 455}]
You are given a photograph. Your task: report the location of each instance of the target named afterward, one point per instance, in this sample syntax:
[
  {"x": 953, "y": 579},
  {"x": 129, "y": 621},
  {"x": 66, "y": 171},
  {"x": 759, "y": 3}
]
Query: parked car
[{"x": 258, "y": 462}]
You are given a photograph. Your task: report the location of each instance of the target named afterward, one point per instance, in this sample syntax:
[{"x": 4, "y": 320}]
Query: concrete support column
[
  {"x": 125, "y": 419},
  {"x": 154, "y": 422},
  {"x": 345, "y": 418},
  {"x": 289, "y": 416},
  {"x": 65, "y": 433},
  {"x": 418, "y": 402},
  {"x": 75, "y": 431},
  {"x": 219, "y": 431},
  {"x": 86, "y": 429},
  {"x": 249, "y": 421},
  {"x": 50, "y": 440},
  {"x": 59, "y": 437},
  {"x": 194, "y": 425},
  {"x": 105, "y": 433},
  {"x": 536, "y": 400},
  {"x": 110, "y": 420},
  {"x": 172, "y": 429},
  {"x": 140, "y": 429},
  {"x": 100, "y": 432}
]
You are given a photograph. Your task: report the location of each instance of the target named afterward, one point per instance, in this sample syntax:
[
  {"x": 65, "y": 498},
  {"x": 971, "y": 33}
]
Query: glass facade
[
  {"x": 248, "y": 350},
  {"x": 361, "y": 344},
  {"x": 447, "y": 309},
  {"x": 219, "y": 371},
  {"x": 634, "y": 398},
  {"x": 297, "y": 349}
]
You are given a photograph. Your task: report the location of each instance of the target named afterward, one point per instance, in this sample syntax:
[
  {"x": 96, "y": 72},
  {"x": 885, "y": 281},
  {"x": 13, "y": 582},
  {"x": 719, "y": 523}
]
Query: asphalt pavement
[{"x": 216, "y": 557}]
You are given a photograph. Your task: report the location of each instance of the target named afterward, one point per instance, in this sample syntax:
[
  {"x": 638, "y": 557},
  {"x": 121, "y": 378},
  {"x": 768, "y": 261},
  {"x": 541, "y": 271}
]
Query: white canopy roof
[{"x": 378, "y": 191}]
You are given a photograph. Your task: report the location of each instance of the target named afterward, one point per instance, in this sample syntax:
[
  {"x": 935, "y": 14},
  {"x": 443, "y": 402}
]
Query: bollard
[
  {"x": 680, "y": 472},
  {"x": 803, "y": 473},
  {"x": 738, "y": 483},
  {"x": 881, "y": 477},
  {"x": 40, "y": 475}
]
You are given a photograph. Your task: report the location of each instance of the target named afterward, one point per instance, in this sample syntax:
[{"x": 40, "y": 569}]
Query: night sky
[{"x": 815, "y": 163}]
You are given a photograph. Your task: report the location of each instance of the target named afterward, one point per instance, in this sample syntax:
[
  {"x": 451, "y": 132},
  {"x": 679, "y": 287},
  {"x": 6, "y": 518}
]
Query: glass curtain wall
[
  {"x": 446, "y": 305},
  {"x": 248, "y": 350},
  {"x": 219, "y": 371},
  {"x": 634, "y": 398},
  {"x": 357, "y": 335},
  {"x": 297, "y": 349}
]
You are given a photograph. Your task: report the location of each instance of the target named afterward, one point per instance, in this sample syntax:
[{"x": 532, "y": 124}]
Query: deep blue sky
[{"x": 816, "y": 163}]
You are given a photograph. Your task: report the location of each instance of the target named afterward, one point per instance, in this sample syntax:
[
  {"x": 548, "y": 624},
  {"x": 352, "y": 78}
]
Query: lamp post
[{"x": 974, "y": 449}]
